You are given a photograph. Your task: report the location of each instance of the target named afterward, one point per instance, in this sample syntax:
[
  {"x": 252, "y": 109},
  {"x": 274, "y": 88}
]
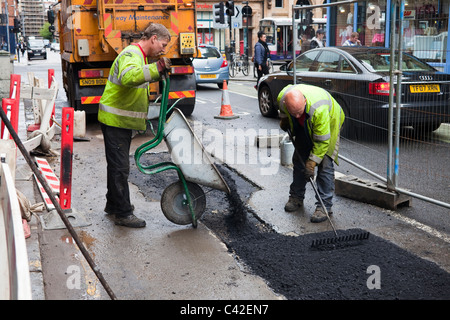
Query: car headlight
[
  {"x": 30, "y": 51},
  {"x": 43, "y": 50}
]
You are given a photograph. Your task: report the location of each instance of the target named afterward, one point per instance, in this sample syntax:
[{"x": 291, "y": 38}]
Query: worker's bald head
[{"x": 295, "y": 103}]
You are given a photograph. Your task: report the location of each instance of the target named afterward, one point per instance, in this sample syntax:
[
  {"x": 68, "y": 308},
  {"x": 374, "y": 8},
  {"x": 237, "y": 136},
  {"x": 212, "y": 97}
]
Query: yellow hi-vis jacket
[
  {"x": 124, "y": 103},
  {"x": 324, "y": 120}
]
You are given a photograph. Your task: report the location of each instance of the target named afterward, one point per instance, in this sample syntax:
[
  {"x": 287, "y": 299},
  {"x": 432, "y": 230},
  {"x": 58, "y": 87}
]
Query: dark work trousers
[
  {"x": 117, "y": 151},
  {"x": 264, "y": 70},
  {"x": 303, "y": 146},
  {"x": 325, "y": 170}
]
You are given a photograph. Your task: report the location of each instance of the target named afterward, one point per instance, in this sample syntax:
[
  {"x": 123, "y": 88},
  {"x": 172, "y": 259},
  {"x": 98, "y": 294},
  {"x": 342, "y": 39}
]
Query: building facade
[
  {"x": 8, "y": 11},
  {"x": 425, "y": 25}
]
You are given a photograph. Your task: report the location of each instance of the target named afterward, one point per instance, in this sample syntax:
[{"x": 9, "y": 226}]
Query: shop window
[{"x": 425, "y": 29}]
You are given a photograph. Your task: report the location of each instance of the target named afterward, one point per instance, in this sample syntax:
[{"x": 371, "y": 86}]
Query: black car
[
  {"x": 36, "y": 49},
  {"x": 358, "y": 78}
]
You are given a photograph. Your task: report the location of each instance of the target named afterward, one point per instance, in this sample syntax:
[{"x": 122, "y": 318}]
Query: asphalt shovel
[{"x": 331, "y": 242}]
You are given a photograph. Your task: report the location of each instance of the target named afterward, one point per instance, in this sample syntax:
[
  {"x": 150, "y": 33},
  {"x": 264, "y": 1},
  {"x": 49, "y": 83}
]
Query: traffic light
[
  {"x": 17, "y": 25},
  {"x": 50, "y": 16},
  {"x": 219, "y": 12},
  {"x": 230, "y": 8},
  {"x": 309, "y": 17}
]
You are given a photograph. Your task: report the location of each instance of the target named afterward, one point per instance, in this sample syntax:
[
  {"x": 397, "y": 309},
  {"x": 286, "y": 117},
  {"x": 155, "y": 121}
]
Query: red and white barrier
[{"x": 67, "y": 124}]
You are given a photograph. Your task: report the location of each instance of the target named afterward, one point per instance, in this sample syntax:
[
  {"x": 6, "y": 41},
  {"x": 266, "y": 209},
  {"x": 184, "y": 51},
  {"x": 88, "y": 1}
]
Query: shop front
[{"x": 425, "y": 27}]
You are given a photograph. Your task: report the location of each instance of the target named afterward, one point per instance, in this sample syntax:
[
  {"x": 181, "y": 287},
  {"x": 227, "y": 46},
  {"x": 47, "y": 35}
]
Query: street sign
[{"x": 236, "y": 20}]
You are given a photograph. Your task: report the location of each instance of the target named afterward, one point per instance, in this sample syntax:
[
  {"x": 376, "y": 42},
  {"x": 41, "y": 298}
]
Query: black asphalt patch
[{"x": 368, "y": 269}]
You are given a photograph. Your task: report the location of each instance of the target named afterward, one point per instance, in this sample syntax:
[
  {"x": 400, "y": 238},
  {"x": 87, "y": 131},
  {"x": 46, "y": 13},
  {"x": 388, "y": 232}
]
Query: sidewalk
[{"x": 250, "y": 77}]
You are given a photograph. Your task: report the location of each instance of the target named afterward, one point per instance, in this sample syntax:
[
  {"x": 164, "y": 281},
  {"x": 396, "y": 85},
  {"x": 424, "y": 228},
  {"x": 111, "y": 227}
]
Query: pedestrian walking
[
  {"x": 22, "y": 48},
  {"x": 306, "y": 44},
  {"x": 123, "y": 108},
  {"x": 314, "y": 119},
  {"x": 261, "y": 56},
  {"x": 317, "y": 40}
]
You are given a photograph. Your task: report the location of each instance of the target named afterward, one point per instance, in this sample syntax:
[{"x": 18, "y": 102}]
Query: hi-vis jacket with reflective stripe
[
  {"x": 324, "y": 120},
  {"x": 124, "y": 102}
]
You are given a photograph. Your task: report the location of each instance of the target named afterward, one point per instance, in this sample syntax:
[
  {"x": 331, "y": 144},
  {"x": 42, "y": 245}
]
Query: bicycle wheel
[
  {"x": 245, "y": 68},
  {"x": 232, "y": 69}
]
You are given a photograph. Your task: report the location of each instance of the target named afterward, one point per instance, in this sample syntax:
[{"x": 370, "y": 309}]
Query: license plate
[
  {"x": 37, "y": 54},
  {"x": 421, "y": 88},
  {"x": 208, "y": 76},
  {"x": 93, "y": 82}
]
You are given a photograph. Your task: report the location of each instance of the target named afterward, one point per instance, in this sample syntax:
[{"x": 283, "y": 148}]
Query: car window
[
  {"x": 305, "y": 61},
  {"x": 380, "y": 62},
  {"x": 36, "y": 43},
  {"x": 346, "y": 67},
  {"x": 328, "y": 62},
  {"x": 208, "y": 52}
]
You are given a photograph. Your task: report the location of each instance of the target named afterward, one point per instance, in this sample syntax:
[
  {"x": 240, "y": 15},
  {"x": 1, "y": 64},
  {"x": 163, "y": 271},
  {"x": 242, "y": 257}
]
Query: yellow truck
[{"x": 93, "y": 32}]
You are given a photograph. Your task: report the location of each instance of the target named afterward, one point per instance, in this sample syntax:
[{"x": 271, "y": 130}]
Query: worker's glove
[
  {"x": 284, "y": 124},
  {"x": 309, "y": 169},
  {"x": 163, "y": 65}
]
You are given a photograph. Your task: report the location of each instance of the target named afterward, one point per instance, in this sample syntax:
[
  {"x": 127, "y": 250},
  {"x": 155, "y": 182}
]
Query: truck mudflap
[{"x": 183, "y": 87}]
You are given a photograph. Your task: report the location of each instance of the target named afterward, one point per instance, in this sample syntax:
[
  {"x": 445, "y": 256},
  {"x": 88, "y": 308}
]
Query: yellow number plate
[
  {"x": 93, "y": 82},
  {"x": 208, "y": 76},
  {"x": 420, "y": 88}
]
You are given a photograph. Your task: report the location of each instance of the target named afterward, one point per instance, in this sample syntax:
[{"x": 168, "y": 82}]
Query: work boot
[
  {"x": 130, "y": 221},
  {"x": 293, "y": 204},
  {"x": 319, "y": 215}
]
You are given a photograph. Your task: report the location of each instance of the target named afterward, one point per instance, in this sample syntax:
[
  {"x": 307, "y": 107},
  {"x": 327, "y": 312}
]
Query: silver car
[{"x": 211, "y": 67}]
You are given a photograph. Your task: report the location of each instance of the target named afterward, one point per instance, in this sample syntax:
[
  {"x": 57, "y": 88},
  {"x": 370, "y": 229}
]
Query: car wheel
[
  {"x": 266, "y": 104},
  {"x": 425, "y": 128},
  {"x": 220, "y": 85}
]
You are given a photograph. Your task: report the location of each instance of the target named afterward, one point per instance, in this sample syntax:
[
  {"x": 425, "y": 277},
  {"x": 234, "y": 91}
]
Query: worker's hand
[
  {"x": 284, "y": 124},
  {"x": 309, "y": 169},
  {"x": 164, "y": 64}
]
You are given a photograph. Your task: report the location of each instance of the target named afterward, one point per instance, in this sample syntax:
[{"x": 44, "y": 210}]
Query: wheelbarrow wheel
[{"x": 174, "y": 204}]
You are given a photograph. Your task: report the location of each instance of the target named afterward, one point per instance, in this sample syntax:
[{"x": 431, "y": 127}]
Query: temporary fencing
[{"x": 412, "y": 155}]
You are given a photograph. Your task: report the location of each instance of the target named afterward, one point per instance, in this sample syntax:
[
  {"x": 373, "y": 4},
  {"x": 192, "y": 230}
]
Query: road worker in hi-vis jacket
[
  {"x": 314, "y": 118},
  {"x": 123, "y": 108}
]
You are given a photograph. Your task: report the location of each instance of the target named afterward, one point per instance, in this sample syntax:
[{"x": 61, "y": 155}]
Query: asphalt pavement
[{"x": 350, "y": 214}]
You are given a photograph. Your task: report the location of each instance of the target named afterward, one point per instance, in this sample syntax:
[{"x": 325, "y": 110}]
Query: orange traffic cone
[{"x": 225, "y": 109}]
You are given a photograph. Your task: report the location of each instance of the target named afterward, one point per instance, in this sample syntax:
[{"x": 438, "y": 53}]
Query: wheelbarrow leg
[{"x": 188, "y": 199}]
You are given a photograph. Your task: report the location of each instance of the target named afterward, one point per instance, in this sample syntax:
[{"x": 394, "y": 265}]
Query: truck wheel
[
  {"x": 187, "y": 109},
  {"x": 70, "y": 96}
]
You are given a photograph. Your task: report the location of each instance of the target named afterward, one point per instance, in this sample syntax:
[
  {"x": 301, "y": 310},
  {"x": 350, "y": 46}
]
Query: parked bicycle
[{"x": 238, "y": 65}]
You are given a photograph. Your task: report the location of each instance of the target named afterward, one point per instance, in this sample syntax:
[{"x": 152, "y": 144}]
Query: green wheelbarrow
[{"x": 183, "y": 201}]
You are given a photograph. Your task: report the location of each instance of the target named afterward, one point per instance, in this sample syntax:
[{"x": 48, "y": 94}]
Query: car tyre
[
  {"x": 426, "y": 127},
  {"x": 220, "y": 85},
  {"x": 267, "y": 106}
]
